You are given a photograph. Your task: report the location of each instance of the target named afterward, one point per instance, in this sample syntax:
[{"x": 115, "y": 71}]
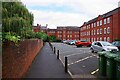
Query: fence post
[
  {"x": 57, "y": 54},
  {"x": 66, "y": 64}
]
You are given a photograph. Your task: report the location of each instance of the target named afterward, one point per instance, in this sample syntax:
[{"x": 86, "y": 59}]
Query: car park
[
  {"x": 102, "y": 46},
  {"x": 117, "y": 44},
  {"x": 83, "y": 43}
]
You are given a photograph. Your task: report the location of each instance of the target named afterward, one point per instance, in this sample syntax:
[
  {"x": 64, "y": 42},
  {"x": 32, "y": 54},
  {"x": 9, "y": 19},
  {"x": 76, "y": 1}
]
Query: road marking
[
  {"x": 73, "y": 54},
  {"x": 81, "y": 60},
  {"x": 93, "y": 72}
]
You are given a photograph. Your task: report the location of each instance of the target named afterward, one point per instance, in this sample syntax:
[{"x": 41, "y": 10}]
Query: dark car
[{"x": 117, "y": 44}]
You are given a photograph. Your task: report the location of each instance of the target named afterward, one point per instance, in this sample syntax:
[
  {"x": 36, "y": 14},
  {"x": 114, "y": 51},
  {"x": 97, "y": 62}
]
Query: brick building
[
  {"x": 105, "y": 27},
  {"x": 62, "y": 32},
  {"x": 68, "y": 33},
  {"x": 40, "y": 28}
]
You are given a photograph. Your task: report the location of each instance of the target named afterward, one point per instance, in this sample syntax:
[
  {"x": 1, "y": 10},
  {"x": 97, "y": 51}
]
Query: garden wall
[{"x": 17, "y": 59}]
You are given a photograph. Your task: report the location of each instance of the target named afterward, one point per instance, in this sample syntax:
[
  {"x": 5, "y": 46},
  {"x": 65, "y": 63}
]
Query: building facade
[
  {"x": 105, "y": 27},
  {"x": 62, "y": 32},
  {"x": 68, "y": 33}
]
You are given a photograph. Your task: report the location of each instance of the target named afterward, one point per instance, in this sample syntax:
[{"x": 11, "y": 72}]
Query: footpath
[{"x": 46, "y": 65}]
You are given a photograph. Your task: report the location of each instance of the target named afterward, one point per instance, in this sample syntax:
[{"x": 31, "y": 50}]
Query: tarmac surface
[{"x": 46, "y": 65}]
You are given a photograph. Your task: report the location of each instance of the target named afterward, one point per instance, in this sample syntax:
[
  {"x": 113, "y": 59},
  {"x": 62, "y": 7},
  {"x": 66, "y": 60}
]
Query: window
[
  {"x": 100, "y": 31},
  {"x": 108, "y": 39},
  {"x": 104, "y": 30},
  {"x": 108, "y": 20},
  {"x": 104, "y": 21},
  {"x": 108, "y": 30},
  {"x": 97, "y": 23},
  {"x": 94, "y": 24},
  {"x": 99, "y": 44},
  {"x": 97, "y": 39},
  {"x": 97, "y": 31},
  {"x": 70, "y": 36},
  {"x": 100, "y": 22},
  {"x": 104, "y": 38},
  {"x": 94, "y": 32},
  {"x": 100, "y": 38},
  {"x": 94, "y": 39}
]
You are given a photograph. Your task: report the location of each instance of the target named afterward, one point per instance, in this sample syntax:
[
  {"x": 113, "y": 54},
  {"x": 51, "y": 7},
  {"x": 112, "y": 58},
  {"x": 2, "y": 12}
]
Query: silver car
[{"x": 102, "y": 46}]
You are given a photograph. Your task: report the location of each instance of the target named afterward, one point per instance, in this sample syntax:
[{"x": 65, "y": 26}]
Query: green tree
[{"x": 17, "y": 20}]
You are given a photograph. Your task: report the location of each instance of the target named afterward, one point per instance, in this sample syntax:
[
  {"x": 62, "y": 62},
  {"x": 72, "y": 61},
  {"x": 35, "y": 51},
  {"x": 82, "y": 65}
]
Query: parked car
[
  {"x": 72, "y": 42},
  {"x": 117, "y": 44},
  {"x": 102, "y": 46},
  {"x": 83, "y": 43},
  {"x": 64, "y": 41}
]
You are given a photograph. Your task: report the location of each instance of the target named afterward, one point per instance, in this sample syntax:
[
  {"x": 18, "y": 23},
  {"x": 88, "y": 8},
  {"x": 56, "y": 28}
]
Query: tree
[{"x": 16, "y": 19}]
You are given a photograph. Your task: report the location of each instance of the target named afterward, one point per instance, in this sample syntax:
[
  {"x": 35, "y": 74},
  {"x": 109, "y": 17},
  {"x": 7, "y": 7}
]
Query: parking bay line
[
  {"x": 81, "y": 60},
  {"x": 93, "y": 72}
]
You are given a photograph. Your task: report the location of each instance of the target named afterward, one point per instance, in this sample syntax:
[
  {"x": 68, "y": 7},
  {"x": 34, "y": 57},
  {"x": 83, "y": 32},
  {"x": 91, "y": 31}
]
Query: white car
[{"x": 102, "y": 46}]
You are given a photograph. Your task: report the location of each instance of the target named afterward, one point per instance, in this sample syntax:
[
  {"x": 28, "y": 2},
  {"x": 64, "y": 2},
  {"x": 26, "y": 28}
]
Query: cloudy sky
[{"x": 67, "y": 12}]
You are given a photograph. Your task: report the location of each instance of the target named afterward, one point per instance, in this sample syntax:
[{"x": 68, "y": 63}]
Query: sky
[{"x": 67, "y": 12}]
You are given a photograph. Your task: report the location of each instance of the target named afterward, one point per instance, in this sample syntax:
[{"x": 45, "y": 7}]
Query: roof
[{"x": 103, "y": 16}]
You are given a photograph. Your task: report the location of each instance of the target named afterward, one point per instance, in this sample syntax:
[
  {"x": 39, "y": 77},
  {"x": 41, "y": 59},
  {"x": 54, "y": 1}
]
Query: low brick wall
[{"x": 17, "y": 59}]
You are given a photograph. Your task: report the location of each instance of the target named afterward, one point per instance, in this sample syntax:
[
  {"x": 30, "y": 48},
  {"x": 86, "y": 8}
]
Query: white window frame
[
  {"x": 94, "y": 24},
  {"x": 94, "y": 32},
  {"x": 94, "y": 39},
  {"x": 108, "y": 39},
  {"x": 100, "y": 38},
  {"x": 105, "y": 21},
  {"x": 97, "y": 31},
  {"x": 97, "y": 38},
  {"x": 100, "y": 22},
  {"x": 108, "y": 20},
  {"x": 101, "y": 31},
  {"x": 108, "y": 30},
  {"x": 104, "y": 38},
  {"x": 97, "y": 23},
  {"x": 105, "y": 31}
]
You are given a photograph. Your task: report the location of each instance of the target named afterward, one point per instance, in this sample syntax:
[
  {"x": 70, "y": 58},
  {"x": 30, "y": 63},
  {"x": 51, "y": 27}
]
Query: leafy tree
[{"x": 16, "y": 19}]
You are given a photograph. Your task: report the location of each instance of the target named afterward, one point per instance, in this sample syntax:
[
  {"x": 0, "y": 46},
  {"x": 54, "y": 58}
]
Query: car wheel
[
  {"x": 80, "y": 45},
  {"x": 77, "y": 45},
  {"x": 92, "y": 50}
]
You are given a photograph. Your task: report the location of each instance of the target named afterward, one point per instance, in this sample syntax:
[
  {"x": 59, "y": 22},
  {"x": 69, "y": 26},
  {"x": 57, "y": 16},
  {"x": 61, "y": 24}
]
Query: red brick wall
[{"x": 16, "y": 60}]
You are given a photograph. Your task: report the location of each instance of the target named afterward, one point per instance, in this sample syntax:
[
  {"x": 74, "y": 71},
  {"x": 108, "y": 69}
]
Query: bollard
[
  {"x": 66, "y": 65},
  {"x": 52, "y": 47},
  {"x": 57, "y": 54},
  {"x": 54, "y": 50}
]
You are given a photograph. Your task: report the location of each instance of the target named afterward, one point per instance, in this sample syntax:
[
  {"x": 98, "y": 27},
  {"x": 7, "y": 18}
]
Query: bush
[{"x": 11, "y": 37}]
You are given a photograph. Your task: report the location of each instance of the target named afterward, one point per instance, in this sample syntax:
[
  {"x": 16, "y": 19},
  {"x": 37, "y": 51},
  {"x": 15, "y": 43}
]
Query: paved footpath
[{"x": 46, "y": 65}]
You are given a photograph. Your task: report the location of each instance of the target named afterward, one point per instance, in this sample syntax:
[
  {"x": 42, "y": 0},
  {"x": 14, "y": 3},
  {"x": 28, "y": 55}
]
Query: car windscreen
[
  {"x": 117, "y": 44},
  {"x": 106, "y": 44}
]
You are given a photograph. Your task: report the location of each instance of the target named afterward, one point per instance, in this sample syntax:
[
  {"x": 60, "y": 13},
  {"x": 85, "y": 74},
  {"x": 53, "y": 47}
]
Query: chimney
[{"x": 37, "y": 25}]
